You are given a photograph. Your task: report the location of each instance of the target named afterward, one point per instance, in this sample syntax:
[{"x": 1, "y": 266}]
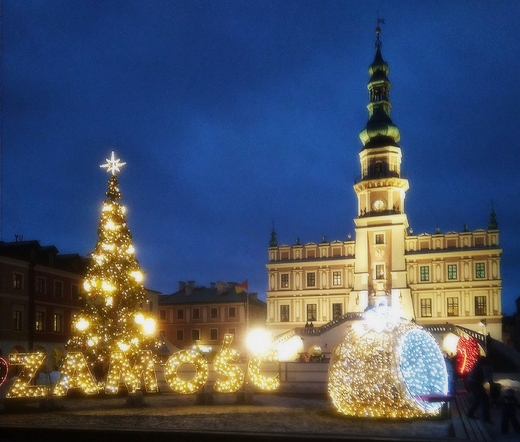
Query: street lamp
[{"x": 483, "y": 323}]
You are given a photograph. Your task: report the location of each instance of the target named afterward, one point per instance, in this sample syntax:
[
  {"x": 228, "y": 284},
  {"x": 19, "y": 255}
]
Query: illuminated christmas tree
[{"x": 113, "y": 319}]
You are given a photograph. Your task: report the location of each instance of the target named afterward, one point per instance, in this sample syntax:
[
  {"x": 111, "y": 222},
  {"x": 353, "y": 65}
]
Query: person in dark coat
[
  {"x": 477, "y": 377},
  {"x": 509, "y": 404}
]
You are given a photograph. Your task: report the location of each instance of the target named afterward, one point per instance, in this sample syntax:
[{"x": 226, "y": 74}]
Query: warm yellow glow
[
  {"x": 22, "y": 387},
  {"x": 86, "y": 286},
  {"x": 130, "y": 249},
  {"x": 449, "y": 343},
  {"x": 223, "y": 366},
  {"x": 149, "y": 326},
  {"x": 139, "y": 318},
  {"x": 107, "y": 286},
  {"x": 189, "y": 357},
  {"x": 143, "y": 369},
  {"x": 110, "y": 225},
  {"x": 254, "y": 367},
  {"x": 258, "y": 340},
  {"x": 137, "y": 275},
  {"x": 108, "y": 247},
  {"x": 109, "y": 301},
  {"x": 288, "y": 350},
  {"x": 82, "y": 324},
  {"x": 123, "y": 346},
  {"x": 75, "y": 374}
]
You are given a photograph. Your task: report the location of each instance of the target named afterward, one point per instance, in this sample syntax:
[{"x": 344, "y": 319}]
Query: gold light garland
[
  {"x": 75, "y": 374},
  {"x": 222, "y": 366},
  {"x": 254, "y": 370},
  {"x": 189, "y": 357},
  {"x": 144, "y": 367},
  {"x": 22, "y": 387}
]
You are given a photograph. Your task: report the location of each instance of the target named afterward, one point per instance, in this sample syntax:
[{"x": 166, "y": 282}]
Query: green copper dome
[{"x": 380, "y": 130}]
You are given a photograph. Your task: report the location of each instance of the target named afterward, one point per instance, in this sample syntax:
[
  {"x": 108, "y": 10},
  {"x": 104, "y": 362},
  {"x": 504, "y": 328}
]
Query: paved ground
[
  {"x": 269, "y": 414},
  {"x": 279, "y": 417}
]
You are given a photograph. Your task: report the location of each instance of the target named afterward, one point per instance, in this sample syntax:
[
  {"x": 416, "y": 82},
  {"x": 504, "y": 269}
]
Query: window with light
[
  {"x": 452, "y": 308},
  {"x": 452, "y": 271},
  {"x": 311, "y": 279},
  {"x": 426, "y": 308},
  {"x": 480, "y": 270},
  {"x": 284, "y": 313},
  {"x": 424, "y": 272}
]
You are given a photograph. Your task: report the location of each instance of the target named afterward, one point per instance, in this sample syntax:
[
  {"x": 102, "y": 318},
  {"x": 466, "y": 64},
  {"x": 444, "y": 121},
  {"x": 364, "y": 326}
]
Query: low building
[
  {"x": 40, "y": 292},
  {"x": 201, "y": 316}
]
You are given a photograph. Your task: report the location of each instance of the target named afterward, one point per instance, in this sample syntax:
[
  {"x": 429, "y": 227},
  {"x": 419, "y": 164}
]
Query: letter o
[{"x": 186, "y": 357}]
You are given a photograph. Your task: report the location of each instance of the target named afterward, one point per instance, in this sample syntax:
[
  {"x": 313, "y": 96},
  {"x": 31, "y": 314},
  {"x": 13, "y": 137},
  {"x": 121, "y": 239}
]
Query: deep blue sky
[{"x": 230, "y": 114}]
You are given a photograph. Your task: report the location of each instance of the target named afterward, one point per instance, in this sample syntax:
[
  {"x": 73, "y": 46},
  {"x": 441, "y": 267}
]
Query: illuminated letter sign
[
  {"x": 186, "y": 357},
  {"x": 222, "y": 366},
  {"x": 75, "y": 374},
  {"x": 254, "y": 366},
  {"x": 120, "y": 368},
  {"x": 21, "y": 387}
]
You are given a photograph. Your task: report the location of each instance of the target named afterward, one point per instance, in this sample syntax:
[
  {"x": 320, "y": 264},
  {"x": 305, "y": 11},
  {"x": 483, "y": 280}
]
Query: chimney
[
  {"x": 253, "y": 296},
  {"x": 221, "y": 287},
  {"x": 189, "y": 288},
  {"x": 182, "y": 286},
  {"x": 212, "y": 285}
]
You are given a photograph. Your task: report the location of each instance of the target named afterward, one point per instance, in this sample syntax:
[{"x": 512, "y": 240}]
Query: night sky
[{"x": 232, "y": 115}]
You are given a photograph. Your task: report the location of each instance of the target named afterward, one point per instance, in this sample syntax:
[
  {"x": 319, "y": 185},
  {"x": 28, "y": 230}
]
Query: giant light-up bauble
[{"x": 386, "y": 367}]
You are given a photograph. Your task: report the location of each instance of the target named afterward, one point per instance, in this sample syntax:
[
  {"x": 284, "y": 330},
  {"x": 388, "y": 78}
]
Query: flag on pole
[{"x": 242, "y": 287}]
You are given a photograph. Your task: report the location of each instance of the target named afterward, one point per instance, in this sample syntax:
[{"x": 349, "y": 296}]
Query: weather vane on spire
[
  {"x": 378, "y": 29},
  {"x": 112, "y": 165}
]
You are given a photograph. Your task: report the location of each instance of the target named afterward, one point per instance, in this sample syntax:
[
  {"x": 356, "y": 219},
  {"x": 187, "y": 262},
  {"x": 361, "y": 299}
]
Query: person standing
[
  {"x": 509, "y": 404},
  {"x": 477, "y": 377}
]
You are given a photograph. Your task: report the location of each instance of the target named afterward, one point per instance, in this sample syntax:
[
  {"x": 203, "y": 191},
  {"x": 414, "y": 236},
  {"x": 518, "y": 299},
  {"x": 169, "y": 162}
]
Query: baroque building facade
[
  {"x": 433, "y": 278},
  {"x": 199, "y": 316}
]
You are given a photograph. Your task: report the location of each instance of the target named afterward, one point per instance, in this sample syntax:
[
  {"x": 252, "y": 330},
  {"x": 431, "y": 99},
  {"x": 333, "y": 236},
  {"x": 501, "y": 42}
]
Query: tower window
[
  {"x": 480, "y": 306},
  {"x": 480, "y": 270},
  {"x": 452, "y": 271},
  {"x": 284, "y": 280},
  {"x": 453, "y": 306},
  {"x": 380, "y": 271},
  {"x": 379, "y": 238},
  {"x": 311, "y": 279},
  {"x": 424, "y": 273},
  {"x": 284, "y": 313},
  {"x": 336, "y": 278},
  {"x": 337, "y": 311},
  {"x": 311, "y": 312},
  {"x": 426, "y": 308}
]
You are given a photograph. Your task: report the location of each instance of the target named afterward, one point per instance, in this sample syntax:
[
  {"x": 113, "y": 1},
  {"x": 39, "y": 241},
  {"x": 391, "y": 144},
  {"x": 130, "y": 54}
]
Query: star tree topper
[{"x": 112, "y": 165}]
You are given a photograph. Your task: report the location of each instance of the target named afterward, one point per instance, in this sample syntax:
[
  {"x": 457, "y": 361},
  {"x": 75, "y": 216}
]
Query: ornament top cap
[{"x": 112, "y": 165}]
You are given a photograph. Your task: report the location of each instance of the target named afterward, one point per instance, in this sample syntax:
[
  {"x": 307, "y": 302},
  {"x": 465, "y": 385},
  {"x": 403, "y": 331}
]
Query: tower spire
[{"x": 380, "y": 131}]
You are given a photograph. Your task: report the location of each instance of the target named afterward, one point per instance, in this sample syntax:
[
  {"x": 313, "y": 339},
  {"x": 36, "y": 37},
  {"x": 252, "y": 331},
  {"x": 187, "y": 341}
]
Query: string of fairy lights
[{"x": 384, "y": 367}]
